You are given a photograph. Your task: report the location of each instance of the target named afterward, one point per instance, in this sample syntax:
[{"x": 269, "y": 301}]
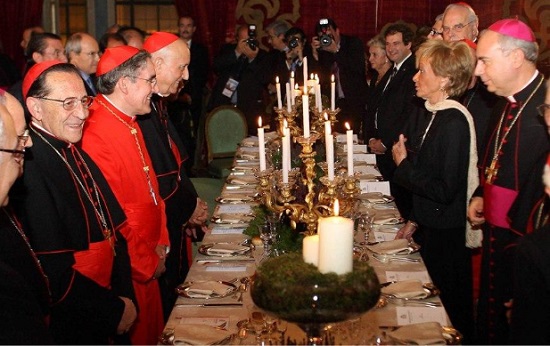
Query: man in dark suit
[
  {"x": 82, "y": 51},
  {"x": 343, "y": 57},
  {"x": 242, "y": 78},
  {"x": 395, "y": 106}
]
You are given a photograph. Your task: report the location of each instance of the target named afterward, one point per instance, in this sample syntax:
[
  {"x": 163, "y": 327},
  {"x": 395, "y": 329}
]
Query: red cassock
[{"x": 108, "y": 138}]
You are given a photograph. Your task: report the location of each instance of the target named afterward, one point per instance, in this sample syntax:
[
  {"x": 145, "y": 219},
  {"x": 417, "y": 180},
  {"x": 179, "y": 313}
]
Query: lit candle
[
  {"x": 332, "y": 94},
  {"x": 304, "y": 65},
  {"x": 335, "y": 243},
  {"x": 261, "y": 142},
  {"x": 349, "y": 144},
  {"x": 292, "y": 96},
  {"x": 329, "y": 149},
  {"x": 288, "y": 98},
  {"x": 305, "y": 114},
  {"x": 310, "y": 249},
  {"x": 278, "y": 87}
]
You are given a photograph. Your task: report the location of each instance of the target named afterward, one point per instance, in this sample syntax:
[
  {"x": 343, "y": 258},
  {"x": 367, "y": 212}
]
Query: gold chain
[{"x": 134, "y": 131}]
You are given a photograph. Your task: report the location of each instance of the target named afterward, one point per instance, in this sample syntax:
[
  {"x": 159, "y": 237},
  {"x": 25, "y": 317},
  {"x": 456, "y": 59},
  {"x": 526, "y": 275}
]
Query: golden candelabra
[{"x": 319, "y": 198}]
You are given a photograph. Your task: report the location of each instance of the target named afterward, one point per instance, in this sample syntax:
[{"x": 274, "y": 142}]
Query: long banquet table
[{"x": 370, "y": 328}]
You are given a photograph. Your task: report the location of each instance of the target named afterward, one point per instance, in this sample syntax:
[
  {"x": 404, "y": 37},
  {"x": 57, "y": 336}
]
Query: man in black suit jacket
[
  {"x": 344, "y": 58},
  {"x": 242, "y": 78},
  {"x": 395, "y": 107},
  {"x": 82, "y": 51}
]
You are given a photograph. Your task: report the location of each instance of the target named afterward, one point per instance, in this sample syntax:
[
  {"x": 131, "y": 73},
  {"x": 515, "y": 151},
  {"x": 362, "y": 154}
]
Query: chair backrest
[{"x": 225, "y": 128}]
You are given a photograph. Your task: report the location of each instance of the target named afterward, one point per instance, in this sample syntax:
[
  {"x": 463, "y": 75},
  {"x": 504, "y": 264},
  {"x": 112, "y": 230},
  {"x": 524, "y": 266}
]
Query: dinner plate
[
  {"x": 232, "y": 218},
  {"x": 240, "y": 250},
  {"x": 428, "y": 287},
  {"x": 411, "y": 248},
  {"x": 183, "y": 290},
  {"x": 450, "y": 335}
]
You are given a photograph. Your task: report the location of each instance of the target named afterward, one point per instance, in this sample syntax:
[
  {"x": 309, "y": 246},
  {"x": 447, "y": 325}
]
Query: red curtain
[{"x": 18, "y": 15}]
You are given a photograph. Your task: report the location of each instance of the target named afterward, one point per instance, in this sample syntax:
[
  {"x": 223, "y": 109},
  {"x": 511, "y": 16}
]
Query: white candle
[
  {"x": 349, "y": 144},
  {"x": 292, "y": 96},
  {"x": 310, "y": 249},
  {"x": 261, "y": 142},
  {"x": 335, "y": 244},
  {"x": 297, "y": 92},
  {"x": 285, "y": 161},
  {"x": 318, "y": 99},
  {"x": 332, "y": 94},
  {"x": 304, "y": 65},
  {"x": 305, "y": 114},
  {"x": 286, "y": 132},
  {"x": 329, "y": 149},
  {"x": 278, "y": 87},
  {"x": 288, "y": 98}
]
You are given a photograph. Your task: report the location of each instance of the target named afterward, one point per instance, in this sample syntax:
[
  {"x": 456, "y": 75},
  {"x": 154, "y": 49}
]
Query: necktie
[
  {"x": 91, "y": 84},
  {"x": 336, "y": 72},
  {"x": 394, "y": 72}
]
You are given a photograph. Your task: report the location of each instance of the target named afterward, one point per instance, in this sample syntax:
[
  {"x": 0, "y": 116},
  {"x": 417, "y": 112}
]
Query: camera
[
  {"x": 293, "y": 43},
  {"x": 251, "y": 40},
  {"x": 324, "y": 38}
]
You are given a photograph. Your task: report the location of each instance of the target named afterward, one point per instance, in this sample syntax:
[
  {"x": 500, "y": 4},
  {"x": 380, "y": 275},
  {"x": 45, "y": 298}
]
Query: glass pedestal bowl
[{"x": 297, "y": 292}]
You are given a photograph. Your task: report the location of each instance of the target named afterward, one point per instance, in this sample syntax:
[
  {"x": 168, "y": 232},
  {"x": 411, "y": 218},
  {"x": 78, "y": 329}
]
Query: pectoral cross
[
  {"x": 109, "y": 236},
  {"x": 491, "y": 172}
]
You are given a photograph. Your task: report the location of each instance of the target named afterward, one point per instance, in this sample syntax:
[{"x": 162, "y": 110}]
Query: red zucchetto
[
  {"x": 34, "y": 72},
  {"x": 114, "y": 57},
  {"x": 513, "y": 28},
  {"x": 158, "y": 40}
]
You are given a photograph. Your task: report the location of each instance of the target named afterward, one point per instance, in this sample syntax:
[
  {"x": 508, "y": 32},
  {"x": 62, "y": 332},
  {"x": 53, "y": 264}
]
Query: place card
[
  {"x": 411, "y": 315},
  {"x": 366, "y": 169},
  {"x": 207, "y": 321},
  {"x": 423, "y": 276},
  {"x": 234, "y": 209},
  {"x": 225, "y": 230},
  {"x": 224, "y": 268},
  {"x": 375, "y": 186},
  {"x": 357, "y": 149},
  {"x": 383, "y": 236},
  {"x": 343, "y": 138},
  {"x": 368, "y": 158}
]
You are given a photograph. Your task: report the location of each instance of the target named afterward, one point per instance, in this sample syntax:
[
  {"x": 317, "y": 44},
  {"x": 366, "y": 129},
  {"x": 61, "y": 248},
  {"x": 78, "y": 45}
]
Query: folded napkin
[
  {"x": 228, "y": 198},
  {"x": 373, "y": 197},
  {"x": 427, "y": 333},
  {"x": 248, "y": 155},
  {"x": 387, "y": 220},
  {"x": 391, "y": 247},
  {"x": 250, "y": 142},
  {"x": 198, "y": 334},
  {"x": 407, "y": 289},
  {"x": 242, "y": 180},
  {"x": 208, "y": 289},
  {"x": 232, "y": 218},
  {"x": 227, "y": 249}
]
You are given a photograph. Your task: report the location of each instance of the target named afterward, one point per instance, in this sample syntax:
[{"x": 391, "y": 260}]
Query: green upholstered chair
[{"x": 224, "y": 129}]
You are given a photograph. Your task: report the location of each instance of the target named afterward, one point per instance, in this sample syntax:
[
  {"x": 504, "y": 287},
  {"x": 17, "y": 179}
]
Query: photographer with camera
[
  {"x": 344, "y": 57},
  {"x": 297, "y": 50},
  {"x": 242, "y": 76}
]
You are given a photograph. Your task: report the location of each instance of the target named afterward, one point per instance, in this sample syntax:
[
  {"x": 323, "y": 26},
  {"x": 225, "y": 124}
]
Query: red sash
[
  {"x": 96, "y": 263},
  {"x": 497, "y": 201}
]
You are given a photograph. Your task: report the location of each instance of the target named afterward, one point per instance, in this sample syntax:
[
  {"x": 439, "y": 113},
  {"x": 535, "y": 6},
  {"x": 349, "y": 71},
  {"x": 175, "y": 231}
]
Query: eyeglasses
[
  {"x": 457, "y": 27},
  {"x": 152, "y": 80},
  {"x": 434, "y": 32},
  {"x": 544, "y": 110},
  {"x": 17, "y": 154},
  {"x": 70, "y": 103}
]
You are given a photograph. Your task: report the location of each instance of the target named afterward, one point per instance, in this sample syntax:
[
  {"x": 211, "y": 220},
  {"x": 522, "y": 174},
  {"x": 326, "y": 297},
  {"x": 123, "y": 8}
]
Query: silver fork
[
  {"x": 387, "y": 259},
  {"x": 404, "y": 302}
]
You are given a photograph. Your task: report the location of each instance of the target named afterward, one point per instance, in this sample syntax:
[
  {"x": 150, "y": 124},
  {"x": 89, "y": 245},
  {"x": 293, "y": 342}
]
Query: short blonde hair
[{"x": 452, "y": 60}]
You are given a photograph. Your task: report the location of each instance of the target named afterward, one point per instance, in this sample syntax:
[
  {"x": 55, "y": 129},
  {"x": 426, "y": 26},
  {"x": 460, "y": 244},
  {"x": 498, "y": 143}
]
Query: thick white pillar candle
[
  {"x": 278, "y": 87},
  {"x": 349, "y": 145},
  {"x": 329, "y": 149},
  {"x": 310, "y": 249},
  {"x": 288, "y": 98},
  {"x": 261, "y": 144},
  {"x": 292, "y": 96},
  {"x": 305, "y": 114},
  {"x": 332, "y": 93},
  {"x": 335, "y": 244}
]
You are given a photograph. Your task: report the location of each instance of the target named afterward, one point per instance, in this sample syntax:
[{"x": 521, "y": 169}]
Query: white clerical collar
[
  {"x": 189, "y": 43},
  {"x": 511, "y": 98},
  {"x": 398, "y": 66},
  {"x": 112, "y": 104},
  {"x": 37, "y": 125}
]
